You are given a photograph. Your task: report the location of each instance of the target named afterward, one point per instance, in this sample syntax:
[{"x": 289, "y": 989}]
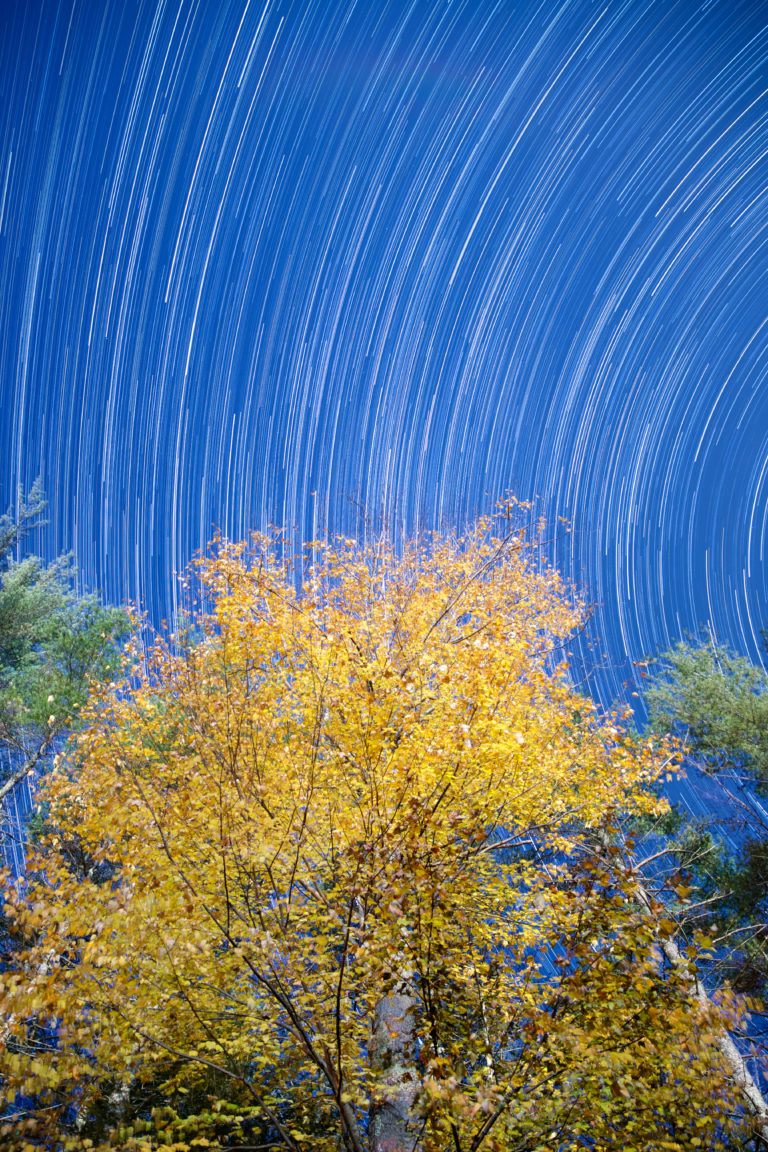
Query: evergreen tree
[
  {"x": 717, "y": 703},
  {"x": 53, "y": 644}
]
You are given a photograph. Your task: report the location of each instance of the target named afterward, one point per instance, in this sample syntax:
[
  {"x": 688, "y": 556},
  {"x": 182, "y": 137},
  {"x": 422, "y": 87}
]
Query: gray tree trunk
[
  {"x": 734, "y": 1060},
  {"x": 737, "y": 1065},
  {"x": 392, "y": 1054}
]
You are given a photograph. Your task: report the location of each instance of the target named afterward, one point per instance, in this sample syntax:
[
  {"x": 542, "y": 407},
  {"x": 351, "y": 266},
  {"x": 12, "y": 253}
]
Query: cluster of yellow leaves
[{"x": 311, "y": 798}]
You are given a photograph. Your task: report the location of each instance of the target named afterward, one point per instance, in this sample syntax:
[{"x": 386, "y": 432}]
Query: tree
[
  {"x": 718, "y": 701},
  {"x": 334, "y": 868},
  {"x": 718, "y": 704},
  {"x": 53, "y": 643}
]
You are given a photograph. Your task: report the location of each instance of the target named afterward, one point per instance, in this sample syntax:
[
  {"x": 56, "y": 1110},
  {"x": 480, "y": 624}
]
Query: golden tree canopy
[{"x": 326, "y": 873}]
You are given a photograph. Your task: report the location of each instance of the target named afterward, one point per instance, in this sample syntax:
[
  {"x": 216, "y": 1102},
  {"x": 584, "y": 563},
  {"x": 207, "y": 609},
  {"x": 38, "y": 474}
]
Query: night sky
[{"x": 284, "y": 261}]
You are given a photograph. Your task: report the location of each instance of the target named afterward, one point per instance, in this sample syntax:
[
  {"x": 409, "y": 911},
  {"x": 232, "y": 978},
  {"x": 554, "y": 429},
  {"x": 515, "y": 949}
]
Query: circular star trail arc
[{"x": 278, "y": 262}]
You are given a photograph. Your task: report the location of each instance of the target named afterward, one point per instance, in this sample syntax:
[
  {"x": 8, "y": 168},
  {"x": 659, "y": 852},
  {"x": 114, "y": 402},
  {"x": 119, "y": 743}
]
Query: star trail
[{"x": 289, "y": 262}]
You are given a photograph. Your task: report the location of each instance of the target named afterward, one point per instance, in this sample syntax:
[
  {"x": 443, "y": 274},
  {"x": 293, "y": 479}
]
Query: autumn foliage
[{"x": 331, "y": 869}]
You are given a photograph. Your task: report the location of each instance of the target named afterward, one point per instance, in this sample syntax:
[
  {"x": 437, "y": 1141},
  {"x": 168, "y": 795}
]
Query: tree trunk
[
  {"x": 753, "y": 1097},
  {"x": 28, "y": 765},
  {"x": 737, "y": 1065},
  {"x": 392, "y": 1053}
]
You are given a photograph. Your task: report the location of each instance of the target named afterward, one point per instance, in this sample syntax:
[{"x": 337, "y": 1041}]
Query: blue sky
[{"x": 272, "y": 262}]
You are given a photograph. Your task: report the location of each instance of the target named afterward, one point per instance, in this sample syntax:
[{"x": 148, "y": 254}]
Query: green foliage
[
  {"x": 15, "y": 526},
  {"x": 717, "y": 701},
  {"x": 666, "y": 823},
  {"x": 52, "y": 642}
]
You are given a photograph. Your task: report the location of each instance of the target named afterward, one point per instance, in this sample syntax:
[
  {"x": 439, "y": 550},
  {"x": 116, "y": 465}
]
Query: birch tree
[{"x": 325, "y": 872}]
